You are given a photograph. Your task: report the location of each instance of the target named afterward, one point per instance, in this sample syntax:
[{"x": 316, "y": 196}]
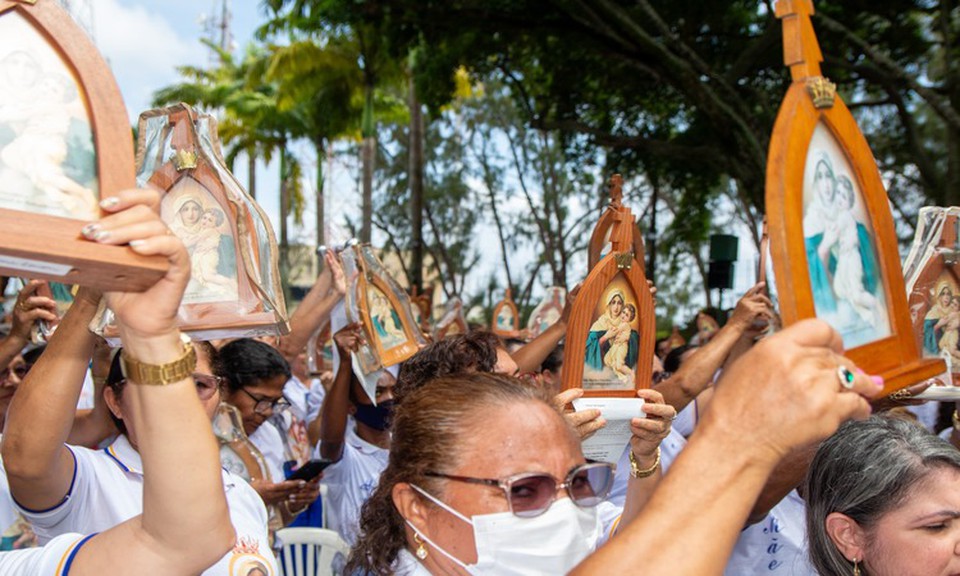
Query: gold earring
[
  {"x": 856, "y": 567},
  {"x": 422, "y": 551}
]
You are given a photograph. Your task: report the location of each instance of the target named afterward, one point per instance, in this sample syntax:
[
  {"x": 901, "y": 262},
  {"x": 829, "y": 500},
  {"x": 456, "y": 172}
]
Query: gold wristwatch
[{"x": 160, "y": 374}]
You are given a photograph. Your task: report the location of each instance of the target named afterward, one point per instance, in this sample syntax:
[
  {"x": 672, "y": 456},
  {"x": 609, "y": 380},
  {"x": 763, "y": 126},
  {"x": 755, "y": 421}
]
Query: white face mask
[{"x": 552, "y": 543}]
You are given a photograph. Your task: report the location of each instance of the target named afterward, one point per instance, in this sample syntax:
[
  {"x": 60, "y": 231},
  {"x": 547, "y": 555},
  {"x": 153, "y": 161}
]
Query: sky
[{"x": 144, "y": 43}]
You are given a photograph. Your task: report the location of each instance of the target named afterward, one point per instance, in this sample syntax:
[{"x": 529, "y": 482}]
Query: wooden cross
[
  {"x": 801, "y": 51},
  {"x": 616, "y": 190}
]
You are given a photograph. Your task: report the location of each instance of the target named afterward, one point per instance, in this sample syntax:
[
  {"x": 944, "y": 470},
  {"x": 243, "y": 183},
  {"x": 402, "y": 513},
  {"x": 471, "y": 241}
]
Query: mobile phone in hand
[{"x": 310, "y": 470}]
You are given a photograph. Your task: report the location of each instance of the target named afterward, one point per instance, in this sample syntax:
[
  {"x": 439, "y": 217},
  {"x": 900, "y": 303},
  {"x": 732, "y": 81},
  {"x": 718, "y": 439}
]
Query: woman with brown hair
[{"x": 458, "y": 503}]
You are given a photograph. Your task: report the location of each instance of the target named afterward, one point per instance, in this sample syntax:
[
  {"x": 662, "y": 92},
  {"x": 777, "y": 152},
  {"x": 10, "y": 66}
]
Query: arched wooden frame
[
  {"x": 620, "y": 260},
  {"x": 421, "y": 304},
  {"x": 945, "y": 259},
  {"x": 367, "y": 278},
  {"x": 51, "y": 247},
  {"x": 612, "y": 214},
  {"x": 212, "y": 319},
  {"x": 507, "y": 303},
  {"x": 896, "y": 357}
]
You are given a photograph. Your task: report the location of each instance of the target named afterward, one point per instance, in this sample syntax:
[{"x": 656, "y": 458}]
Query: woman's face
[
  {"x": 190, "y": 213},
  {"x": 525, "y": 437},
  {"x": 823, "y": 180},
  {"x": 945, "y": 297},
  {"x": 267, "y": 389},
  {"x": 921, "y": 537},
  {"x": 616, "y": 306}
]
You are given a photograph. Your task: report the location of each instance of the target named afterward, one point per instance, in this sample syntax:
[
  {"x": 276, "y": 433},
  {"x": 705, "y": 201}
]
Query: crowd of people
[{"x": 464, "y": 458}]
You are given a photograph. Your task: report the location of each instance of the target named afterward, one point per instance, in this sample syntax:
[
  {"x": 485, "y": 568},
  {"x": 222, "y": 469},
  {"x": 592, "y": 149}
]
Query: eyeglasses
[
  {"x": 18, "y": 371},
  {"x": 207, "y": 385},
  {"x": 265, "y": 405},
  {"x": 531, "y": 494}
]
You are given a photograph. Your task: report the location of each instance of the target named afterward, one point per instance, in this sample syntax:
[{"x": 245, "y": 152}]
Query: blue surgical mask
[{"x": 377, "y": 417}]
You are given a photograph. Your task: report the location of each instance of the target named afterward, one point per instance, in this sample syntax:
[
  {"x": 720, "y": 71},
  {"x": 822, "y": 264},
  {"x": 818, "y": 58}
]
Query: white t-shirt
[
  {"x": 315, "y": 399},
  {"x": 777, "y": 545},
  {"x": 107, "y": 489},
  {"x": 54, "y": 559},
  {"x": 350, "y": 482}
]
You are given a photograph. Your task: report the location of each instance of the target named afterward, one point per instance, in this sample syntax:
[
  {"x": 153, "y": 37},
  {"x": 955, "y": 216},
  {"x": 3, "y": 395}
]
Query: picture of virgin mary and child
[
  {"x": 201, "y": 224},
  {"x": 941, "y": 325},
  {"x": 613, "y": 345},
  {"x": 386, "y": 321},
  {"x": 844, "y": 270},
  {"x": 47, "y": 157}
]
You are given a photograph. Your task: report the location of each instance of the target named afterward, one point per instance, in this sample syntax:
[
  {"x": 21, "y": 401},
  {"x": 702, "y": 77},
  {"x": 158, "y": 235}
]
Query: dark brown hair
[
  {"x": 472, "y": 352},
  {"x": 429, "y": 427}
]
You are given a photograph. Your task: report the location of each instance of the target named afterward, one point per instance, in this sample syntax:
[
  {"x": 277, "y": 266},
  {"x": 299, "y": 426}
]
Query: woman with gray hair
[{"x": 883, "y": 498}]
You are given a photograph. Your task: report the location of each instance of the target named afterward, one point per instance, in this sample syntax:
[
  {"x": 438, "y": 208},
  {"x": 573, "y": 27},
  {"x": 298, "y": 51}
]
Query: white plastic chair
[{"x": 309, "y": 551}]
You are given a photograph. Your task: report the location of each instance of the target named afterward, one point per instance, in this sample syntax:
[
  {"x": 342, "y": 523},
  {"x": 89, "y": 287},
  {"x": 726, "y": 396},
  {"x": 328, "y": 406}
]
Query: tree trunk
[
  {"x": 321, "y": 202},
  {"x": 416, "y": 189},
  {"x": 284, "y": 243},
  {"x": 368, "y": 157},
  {"x": 252, "y": 173}
]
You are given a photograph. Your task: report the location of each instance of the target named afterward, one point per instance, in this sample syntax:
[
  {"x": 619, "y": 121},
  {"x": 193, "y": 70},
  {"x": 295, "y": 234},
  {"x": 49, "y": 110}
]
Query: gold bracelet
[
  {"x": 160, "y": 374},
  {"x": 635, "y": 470}
]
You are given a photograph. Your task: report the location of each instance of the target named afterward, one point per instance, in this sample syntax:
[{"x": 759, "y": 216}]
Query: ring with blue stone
[{"x": 846, "y": 377}]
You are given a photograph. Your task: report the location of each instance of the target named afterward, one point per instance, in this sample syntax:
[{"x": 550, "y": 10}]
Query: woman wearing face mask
[{"x": 485, "y": 477}]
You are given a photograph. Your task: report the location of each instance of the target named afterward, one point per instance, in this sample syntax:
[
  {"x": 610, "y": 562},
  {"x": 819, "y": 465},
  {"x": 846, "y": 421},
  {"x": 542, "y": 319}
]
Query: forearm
[
  {"x": 639, "y": 491},
  {"x": 175, "y": 436},
  {"x": 530, "y": 357},
  {"x": 307, "y": 319},
  {"x": 41, "y": 413},
  {"x": 705, "y": 498},
  {"x": 333, "y": 413}
]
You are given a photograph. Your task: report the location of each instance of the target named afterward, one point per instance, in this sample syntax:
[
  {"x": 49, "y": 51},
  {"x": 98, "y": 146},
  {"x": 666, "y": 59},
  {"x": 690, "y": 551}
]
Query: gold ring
[
  {"x": 902, "y": 394},
  {"x": 22, "y": 305}
]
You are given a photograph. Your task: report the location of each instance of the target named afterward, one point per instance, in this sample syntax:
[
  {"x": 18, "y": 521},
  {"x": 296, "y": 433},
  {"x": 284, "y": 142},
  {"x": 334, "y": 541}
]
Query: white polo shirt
[
  {"x": 107, "y": 489},
  {"x": 351, "y": 481},
  {"x": 54, "y": 559}
]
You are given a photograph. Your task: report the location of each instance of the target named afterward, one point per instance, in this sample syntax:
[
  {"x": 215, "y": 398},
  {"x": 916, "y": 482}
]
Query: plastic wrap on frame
[
  {"x": 406, "y": 305},
  {"x": 548, "y": 311},
  {"x": 365, "y": 358},
  {"x": 235, "y": 289},
  {"x": 932, "y": 279}
]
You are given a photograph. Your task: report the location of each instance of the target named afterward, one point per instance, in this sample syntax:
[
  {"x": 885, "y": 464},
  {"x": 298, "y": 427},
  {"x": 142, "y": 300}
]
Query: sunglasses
[
  {"x": 207, "y": 384},
  {"x": 531, "y": 494}
]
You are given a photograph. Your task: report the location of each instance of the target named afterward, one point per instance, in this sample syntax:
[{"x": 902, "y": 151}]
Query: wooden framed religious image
[
  {"x": 611, "y": 334},
  {"x": 832, "y": 240},
  {"x": 600, "y": 239},
  {"x": 932, "y": 275},
  {"x": 548, "y": 312},
  {"x": 377, "y": 301},
  {"x": 506, "y": 319},
  {"x": 64, "y": 143}
]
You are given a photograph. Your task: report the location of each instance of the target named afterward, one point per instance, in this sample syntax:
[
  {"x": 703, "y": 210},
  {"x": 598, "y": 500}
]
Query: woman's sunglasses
[{"x": 531, "y": 494}]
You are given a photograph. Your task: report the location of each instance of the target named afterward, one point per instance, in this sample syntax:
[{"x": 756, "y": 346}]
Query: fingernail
[
  {"x": 291, "y": 497},
  {"x": 108, "y": 203},
  {"x": 137, "y": 243},
  {"x": 101, "y": 236},
  {"x": 878, "y": 380},
  {"x": 302, "y": 483},
  {"x": 90, "y": 231}
]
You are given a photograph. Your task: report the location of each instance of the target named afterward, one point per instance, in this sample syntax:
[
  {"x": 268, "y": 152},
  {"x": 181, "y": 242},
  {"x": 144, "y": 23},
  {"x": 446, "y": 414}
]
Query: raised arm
[
  {"x": 93, "y": 426},
  {"x": 530, "y": 357},
  {"x": 336, "y": 403},
  {"x": 29, "y": 308},
  {"x": 185, "y": 525},
  {"x": 784, "y": 394},
  {"x": 697, "y": 372},
  {"x": 314, "y": 311},
  {"x": 39, "y": 467}
]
